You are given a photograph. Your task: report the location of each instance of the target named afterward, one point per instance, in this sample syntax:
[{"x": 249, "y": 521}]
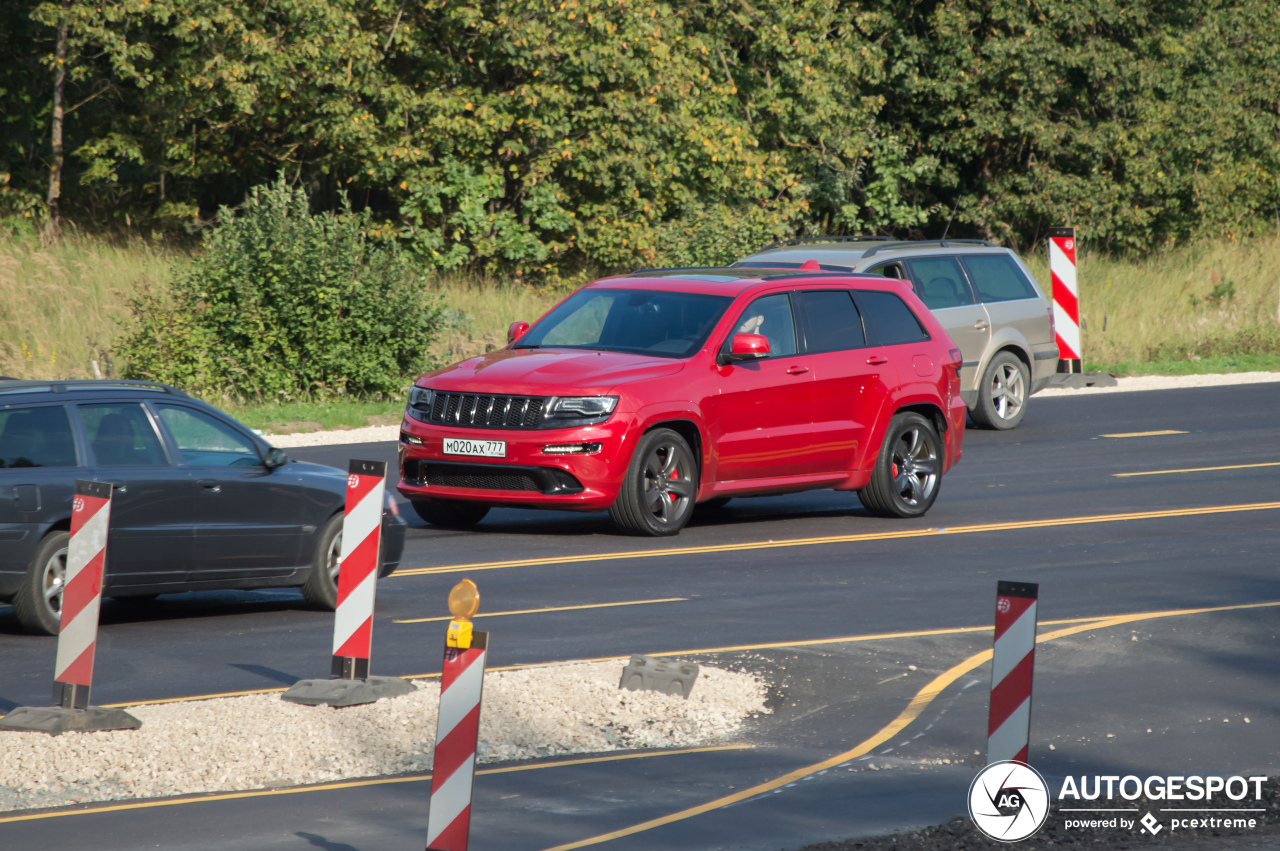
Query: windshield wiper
[{"x": 528, "y": 346}]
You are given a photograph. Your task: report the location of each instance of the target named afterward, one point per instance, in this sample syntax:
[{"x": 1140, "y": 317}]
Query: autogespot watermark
[{"x": 1009, "y": 801}]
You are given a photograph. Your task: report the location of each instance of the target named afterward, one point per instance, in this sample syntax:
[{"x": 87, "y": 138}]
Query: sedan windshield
[{"x": 652, "y": 322}]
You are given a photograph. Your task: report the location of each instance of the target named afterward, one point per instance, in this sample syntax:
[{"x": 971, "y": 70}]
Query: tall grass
[
  {"x": 1188, "y": 304},
  {"x": 62, "y": 305}
]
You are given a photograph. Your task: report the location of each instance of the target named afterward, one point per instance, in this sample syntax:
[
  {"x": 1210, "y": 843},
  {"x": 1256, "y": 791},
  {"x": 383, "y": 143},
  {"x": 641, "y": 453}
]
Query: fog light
[
  {"x": 410, "y": 439},
  {"x": 571, "y": 449}
]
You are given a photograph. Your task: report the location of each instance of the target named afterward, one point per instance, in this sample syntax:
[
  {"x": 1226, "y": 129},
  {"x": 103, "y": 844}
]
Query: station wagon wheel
[
  {"x": 38, "y": 603},
  {"x": 1003, "y": 392},
  {"x": 321, "y": 587},
  {"x": 661, "y": 485},
  {"x": 908, "y": 471}
]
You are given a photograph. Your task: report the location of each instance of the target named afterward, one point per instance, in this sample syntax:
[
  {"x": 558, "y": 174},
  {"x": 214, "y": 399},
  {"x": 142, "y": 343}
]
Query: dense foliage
[
  {"x": 536, "y": 135},
  {"x": 285, "y": 304}
]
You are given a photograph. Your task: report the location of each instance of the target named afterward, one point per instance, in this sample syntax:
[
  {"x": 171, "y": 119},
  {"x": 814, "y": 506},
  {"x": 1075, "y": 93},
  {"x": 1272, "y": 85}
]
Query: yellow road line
[
  {"x": 1144, "y": 433},
  {"x": 550, "y": 609},
  {"x": 917, "y": 705},
  {"x": 843, "y": 539},
  {"x": 556, "y": 662},
  {"x": 356, "y": 784},
  {"x": 1196, "y": 470}
]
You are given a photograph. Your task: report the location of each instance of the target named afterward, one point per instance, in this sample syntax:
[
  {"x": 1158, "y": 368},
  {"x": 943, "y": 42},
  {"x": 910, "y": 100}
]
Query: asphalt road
[{"x": 1050, "y": 503}]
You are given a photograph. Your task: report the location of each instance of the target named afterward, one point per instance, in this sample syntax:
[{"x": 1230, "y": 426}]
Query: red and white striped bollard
[
  {"x": 1012, "y": 665},
  {"x": 1066, "y": 298}
]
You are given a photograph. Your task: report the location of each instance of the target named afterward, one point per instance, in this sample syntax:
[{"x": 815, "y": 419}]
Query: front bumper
[
  {"x": 393, "y": 529},
  {"x": 526, "y": 477}
]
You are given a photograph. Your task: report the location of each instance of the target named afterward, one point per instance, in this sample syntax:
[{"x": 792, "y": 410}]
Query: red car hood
[{"x": 548, "y": 372}]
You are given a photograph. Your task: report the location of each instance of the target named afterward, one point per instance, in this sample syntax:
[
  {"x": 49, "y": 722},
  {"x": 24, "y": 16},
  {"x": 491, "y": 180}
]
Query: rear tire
[
  {"x": 658, "y": 492},
  {"x": 908, "y": 471},
  {"x": 38, "y": 603},
  {"x": 448, "y": 514},
  {"x": 321, "y": 587},
  {"x": 1002, "y": 393}
]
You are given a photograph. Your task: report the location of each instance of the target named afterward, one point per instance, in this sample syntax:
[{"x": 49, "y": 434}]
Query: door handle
[
  {"x": 119, "y": 487},
  {"x": 210, "y": 485},
  {"x": 980, "y": 324},
  {"x": 797, "y": 370},
  {"x": 877, "y": 359}
]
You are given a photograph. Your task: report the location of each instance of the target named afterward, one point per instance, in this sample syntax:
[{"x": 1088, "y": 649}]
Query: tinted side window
[
  {"x": 833, "y": 322},
  {"x": 939, "y": 282},
  {"x": 770, "y": 316},
  {"x": 889, "y": 320},
  {"x": 997, "y": 278},
  {"x": 122, "y": 436},
  {"x": 205, "y": 442},
  {"x": 36, "y": 437}
]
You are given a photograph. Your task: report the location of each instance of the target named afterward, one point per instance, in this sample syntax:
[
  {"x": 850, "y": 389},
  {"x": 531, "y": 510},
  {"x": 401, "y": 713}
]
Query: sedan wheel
[
  {"x": 662, "y": 482},
  {"x": 908, "y": 471},
  {"x": 321, "y": 587}
]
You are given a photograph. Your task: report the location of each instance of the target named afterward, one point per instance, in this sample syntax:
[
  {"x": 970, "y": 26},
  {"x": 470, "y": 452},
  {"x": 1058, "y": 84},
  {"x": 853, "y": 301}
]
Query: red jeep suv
[{"x": 651, "y": 392}]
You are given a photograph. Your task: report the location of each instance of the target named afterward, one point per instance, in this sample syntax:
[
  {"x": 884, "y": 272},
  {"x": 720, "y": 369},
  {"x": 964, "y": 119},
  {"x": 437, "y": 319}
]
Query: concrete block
[
  {"x": 346, "y": 692},
  {"x": 55, "y": 720},
  {"x": 649, "y": 674}
]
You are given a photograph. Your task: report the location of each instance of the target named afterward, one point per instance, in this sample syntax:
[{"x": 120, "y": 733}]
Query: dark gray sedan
[{"x": 199, "y": 501}]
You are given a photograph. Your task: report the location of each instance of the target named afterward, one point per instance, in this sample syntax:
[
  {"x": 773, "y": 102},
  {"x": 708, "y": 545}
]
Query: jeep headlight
[
  {"x": 581, "y": 407},
  {"x": 420, "y": 401}
]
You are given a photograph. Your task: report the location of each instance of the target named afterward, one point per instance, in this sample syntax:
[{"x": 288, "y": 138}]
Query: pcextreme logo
[{"x": 1008, "y": 801}]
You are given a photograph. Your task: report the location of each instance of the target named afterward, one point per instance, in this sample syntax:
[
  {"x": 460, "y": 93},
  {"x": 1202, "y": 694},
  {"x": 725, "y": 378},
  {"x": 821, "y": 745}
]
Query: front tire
[
  {"x": 658, "y": 493},
  {"x": 321, "y": 587},
  {"x": 1002, "y": 395},
  {"x": 449, "y": 514},
  {"x": 38, "y": 603},
  {"x": 908, "y": 471}
]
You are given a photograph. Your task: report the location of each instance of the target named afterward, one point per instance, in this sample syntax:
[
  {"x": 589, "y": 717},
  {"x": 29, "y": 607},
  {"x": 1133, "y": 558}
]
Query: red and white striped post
[
  {"x": 1066, "y": 299},
  {"x": 78, "y": 626},
  {"x": 82, "y": 594},
  {"x": 358, "y": 568},
  {"x": 457, "y": 725},
  {"x": 350, "y": 683},
  {"x": 1012, "y": 664}
]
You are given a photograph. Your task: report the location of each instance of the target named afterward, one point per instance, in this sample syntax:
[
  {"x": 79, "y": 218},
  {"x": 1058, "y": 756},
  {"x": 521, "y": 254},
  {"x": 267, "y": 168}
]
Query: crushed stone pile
[{"x": 260, "y": 741}]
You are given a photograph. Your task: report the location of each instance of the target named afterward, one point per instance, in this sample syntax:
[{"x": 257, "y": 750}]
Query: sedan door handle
[
  {"x": 797, "y": 370},
  {"x": 877, "y": 359},
  {"x": 980, "y": 324},
  {"x": 210, "y": 485},
  {"x": 119, "y": 487}
]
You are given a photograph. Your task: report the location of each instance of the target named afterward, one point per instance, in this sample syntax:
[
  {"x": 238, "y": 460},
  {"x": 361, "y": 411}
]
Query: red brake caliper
[
  {"x": 895, "y": 471},
  {"x": 674, "y": 474}
]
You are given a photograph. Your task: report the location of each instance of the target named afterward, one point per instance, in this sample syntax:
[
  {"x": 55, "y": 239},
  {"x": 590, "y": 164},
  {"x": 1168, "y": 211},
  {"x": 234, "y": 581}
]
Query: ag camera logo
[
  {"x": 1008, "y": 801},
  {"x": 353, "y": 480}
]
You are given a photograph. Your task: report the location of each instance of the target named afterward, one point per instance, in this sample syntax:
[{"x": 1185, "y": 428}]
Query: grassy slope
[{"x": 1213, "y": 307}]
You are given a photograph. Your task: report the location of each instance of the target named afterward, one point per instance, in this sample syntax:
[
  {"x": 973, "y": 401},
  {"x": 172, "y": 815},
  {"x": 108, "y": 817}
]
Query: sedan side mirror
[
  {"x": 745, "y": 347},
  {"x": 516, "y": 331},
  {"x": 276, "y": 458}
]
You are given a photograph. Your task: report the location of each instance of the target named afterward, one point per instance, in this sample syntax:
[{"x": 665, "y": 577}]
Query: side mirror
[
  {"x": 516, "y": 331},
  {"x": 745, "y": 347},
  {"x": 276, "y": 458}
]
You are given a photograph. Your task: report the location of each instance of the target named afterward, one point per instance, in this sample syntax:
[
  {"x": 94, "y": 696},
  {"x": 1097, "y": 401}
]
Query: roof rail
[
  {"x": 810, "y": 239},
  {"x": 60, "y": 385},
  {"x": 678, "y": 269},
  {"x": 944, "y": 243}
]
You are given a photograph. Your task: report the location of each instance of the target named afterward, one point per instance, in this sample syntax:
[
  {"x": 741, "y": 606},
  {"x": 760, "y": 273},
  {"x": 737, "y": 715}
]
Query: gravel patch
[
  {"x": 261, "y": 741},
  {"x": 1165, "y": 382},
  {"x": 368, "y": 434}
]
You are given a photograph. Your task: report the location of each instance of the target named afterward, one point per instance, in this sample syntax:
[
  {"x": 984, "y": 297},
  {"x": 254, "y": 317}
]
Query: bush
[{"x": 285, "y": 304}]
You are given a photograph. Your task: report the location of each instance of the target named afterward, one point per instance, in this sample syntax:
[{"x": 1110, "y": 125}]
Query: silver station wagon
[{"x": 982, "y": 294}]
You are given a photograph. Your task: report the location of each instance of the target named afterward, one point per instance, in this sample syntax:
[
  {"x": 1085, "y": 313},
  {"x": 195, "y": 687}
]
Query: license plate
[{"x": 477, "y": 448}]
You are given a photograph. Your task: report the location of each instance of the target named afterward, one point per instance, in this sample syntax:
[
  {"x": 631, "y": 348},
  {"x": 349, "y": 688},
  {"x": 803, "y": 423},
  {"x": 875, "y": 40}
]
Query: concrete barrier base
[
  {"x": 55, "y": 720},
  {"x": 346, "y": 692}
]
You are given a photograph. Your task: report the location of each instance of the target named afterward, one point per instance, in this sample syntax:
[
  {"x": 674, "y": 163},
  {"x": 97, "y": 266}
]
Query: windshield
[{"x": 652, "y": 322}]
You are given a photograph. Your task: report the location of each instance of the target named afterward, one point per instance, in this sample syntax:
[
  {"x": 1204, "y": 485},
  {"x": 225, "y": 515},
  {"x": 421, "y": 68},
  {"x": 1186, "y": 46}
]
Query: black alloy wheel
[
  {"x": 908, "y": 472},
  {"x": 658, "y": 493}
]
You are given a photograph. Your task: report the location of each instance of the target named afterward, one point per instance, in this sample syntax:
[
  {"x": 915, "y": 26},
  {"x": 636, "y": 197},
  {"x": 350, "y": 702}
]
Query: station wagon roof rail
[
  {"x": 944, "y": 243},
  {"x": 62, "y": 386}
]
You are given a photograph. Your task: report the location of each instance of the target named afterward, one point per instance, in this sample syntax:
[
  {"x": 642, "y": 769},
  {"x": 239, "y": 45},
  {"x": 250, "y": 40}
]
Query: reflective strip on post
[
  {"x": 1066, "y": 299},
  {"x": 358, "y": 568},
  {"x": 457, "y": 729},
  {"x": 1012, "y": 663},
  {"x": 82, "y": 594}
]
